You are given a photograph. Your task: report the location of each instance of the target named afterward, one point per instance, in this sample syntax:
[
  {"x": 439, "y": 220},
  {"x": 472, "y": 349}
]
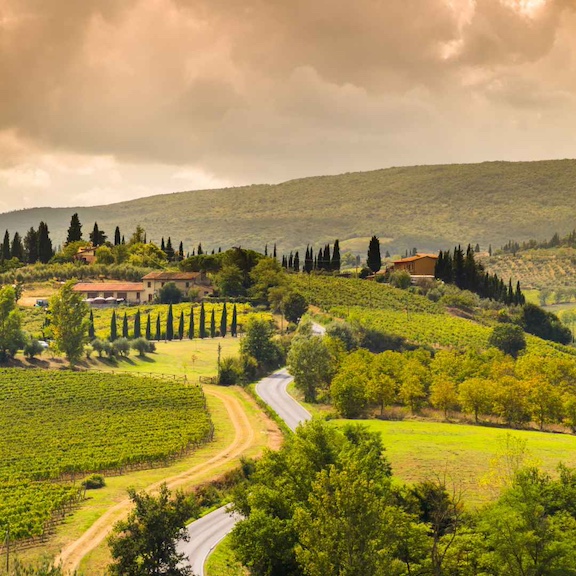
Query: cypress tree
[
  {"x": 117, "y": 237},
  {"x": 284, "y": 262},
  {"x": 320, "y": 260},
  {"x": 181, "y": 251},
  {"x": 6, "y": 252},
  {"x": 266, "y": 250},
  {"x": 31, "y": 246},
  {"x": 137, "y": 328},
  {"x": 234, "y": 323},
  {"x": 519, "y": 299},
  {"x": 336, "y": 256},
  {"x": 274, "y": 253},
  {"x": 458, "y": 267},
  {"x": 162, "y": 245},
  {"x": 17, "y": 248},
  {"x": 75, "y": 229},
  {"x": 125, "y": 326},
  {"x": 148, "y": 327},
  {"x": 212, "y": 324},
  {"x": 97, "y": 236},
  {"x": 291, "y": 261},
  {"x": 223, "y": 321},
  {"x": 170, "y": 324},
  {"x": 374, "y": 260},
  {"x": 113, "y": 327},
  {"x": 191, "y": 325},
  {"x": 510, "y": 295},
  {"x": 181, "y": 326},
  {"x": 202, "y": 329},
  {"x": 158, "y": 328},
  {"x": 91, "y": 332},
  {"x": 309, "y": 261},
  {"x": 169, "y": 250},
  {"x": 326, "y": 257},
  {"x": 296, "y": 262},
  {"x": 123, "y": 240},
  {"x": 490, "y": 250},
  {"x": 199, "y": 251}
]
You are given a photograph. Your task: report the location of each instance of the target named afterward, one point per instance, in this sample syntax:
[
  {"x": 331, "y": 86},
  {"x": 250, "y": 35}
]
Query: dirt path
[{"x": 72, "y": 554}]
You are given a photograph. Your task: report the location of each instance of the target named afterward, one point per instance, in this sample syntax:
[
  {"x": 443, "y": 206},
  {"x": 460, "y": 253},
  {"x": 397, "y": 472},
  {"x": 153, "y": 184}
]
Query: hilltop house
[
  {"x": 111, "y": 292},
  {"x": 419, "y": 265},
  {"x": 185, "y": 281},
  {"x": 86, "y": 254}
]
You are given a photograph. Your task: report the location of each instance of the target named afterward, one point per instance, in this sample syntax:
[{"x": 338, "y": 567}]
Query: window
[
  {"x": 137, "y": 295},
  {"x": 92, "y": 295},
  {"x": 149, "y": 284},
  {"x": 108, "y": 294},
  {"x": 162, "y": 284},
  {"x": 187, "y": 284}
]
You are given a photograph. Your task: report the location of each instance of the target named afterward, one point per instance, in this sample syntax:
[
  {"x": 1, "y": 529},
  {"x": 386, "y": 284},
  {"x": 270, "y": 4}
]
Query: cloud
[{"x": 219, "y": 91}]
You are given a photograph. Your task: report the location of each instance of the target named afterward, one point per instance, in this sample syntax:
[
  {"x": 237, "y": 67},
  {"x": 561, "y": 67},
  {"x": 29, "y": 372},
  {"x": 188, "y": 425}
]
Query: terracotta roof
[
  {"x": 417, "y": 257},
  {"x": 109, "y": 287},
  {"x": 171, "y": 276}
]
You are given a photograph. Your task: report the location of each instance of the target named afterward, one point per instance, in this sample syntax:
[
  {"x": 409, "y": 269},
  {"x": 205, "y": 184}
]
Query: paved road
[{"x": 206, "y": 532}]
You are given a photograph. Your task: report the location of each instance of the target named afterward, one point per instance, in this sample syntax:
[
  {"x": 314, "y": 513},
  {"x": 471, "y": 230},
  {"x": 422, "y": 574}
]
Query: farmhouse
[
  {"x": 86, "y": 254},
  {"x": 130, "y": 292},
  {"x": 185, "y": 281},
  {"x": 419, "y": 265}
]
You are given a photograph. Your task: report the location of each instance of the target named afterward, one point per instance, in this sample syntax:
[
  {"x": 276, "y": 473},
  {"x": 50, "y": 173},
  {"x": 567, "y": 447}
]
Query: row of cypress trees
[
  {"x": 36, "y": 246},
  {"x": 325, "y": 259},
  {"x": 461, "y": 269},
  {"x": 170, "y": 333}
]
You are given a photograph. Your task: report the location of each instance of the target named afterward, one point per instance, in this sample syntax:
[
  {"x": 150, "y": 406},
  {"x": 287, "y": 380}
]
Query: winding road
[{"x": 208, "y": 531}]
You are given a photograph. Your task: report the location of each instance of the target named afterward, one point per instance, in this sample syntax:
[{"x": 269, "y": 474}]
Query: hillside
[{"x": 423, "y": 206}]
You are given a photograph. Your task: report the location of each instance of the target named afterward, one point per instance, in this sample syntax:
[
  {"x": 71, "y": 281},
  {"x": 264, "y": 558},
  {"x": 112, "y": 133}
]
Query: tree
[
  {"x": 17, "y": 250},
  {"x": 381, "y": 390},
  {"x": 68, "y": 318},
  {"x": 45, "y": 251},
  {"x": 223, "y": 321},
  {"x": 234, "y": 323},
  {"x": 31, "y": 246},
  {"x": 374, "y": 260},
  {"x": 170, "y": 294},
  {"x": 335, "y": 264},
  {"x": 170, "y": 324},
  {"x": 91, "y": 331},
  {"x": 230, "y": 281},
  {"x": 310, "y": 362},
  {"x": 97, "y": 236},
  {"x": 113, "y": 327},
  {"x": 181, "y": 326},
  {"x": 191, "y": 324},
  {"x": 104, "y": 255},
  {"x": 6, "y": 252},
  {"x": 137, "y": 328},
  {"x": 145, "y": 543},
  {"x": 212, "y": 324},
  {"x": 348, "y": 392},
  {"x": 202, "y": 328},
  {"x": 443, "y": 394},
  {"x": 544, "y": 401},
  {"x": 125, "y": 326},
  {"x": 475, "y": 395},
  {"x": 258, "y": 343},
  {"x": 117, "y": 237},
  {"x": 169, "y": 250},
  {"x": 74, "y": 230},
  {"x": 508, "y": 338},
  {"x": 294, "y": 306},
  {"x": 158, "y": 329},
  {"x": 11, "y": 335},
  {"x": 148, "y": 327}
]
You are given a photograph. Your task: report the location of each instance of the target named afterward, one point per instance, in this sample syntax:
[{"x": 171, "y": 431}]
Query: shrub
[
  {"x": 142, "y": 346},
  {"x": 170, "y": 294},
  {"x": 401, "y": 279},
  {"x": 99, "y": 346},
  {"x": 508, "y": 338},
  {"x": 94, "y": 482},
  {"x": 121, "y": 346},
  {"x": 33, "y": 348}
]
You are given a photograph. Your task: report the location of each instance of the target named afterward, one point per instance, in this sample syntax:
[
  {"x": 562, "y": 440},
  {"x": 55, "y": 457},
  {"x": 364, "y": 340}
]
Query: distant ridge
[{"x": 426, "y": 207}]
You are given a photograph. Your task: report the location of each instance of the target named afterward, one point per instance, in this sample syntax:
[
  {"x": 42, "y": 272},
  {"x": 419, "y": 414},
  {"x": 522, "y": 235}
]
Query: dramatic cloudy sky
[{"x": 104, "y": 100}]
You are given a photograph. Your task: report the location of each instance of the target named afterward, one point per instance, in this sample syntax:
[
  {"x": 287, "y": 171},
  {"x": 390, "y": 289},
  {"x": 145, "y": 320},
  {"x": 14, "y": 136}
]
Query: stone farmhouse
[{"x": 421, "y": 265}]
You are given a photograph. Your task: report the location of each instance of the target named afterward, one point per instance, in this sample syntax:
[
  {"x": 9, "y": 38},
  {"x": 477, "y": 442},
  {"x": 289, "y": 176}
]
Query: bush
[
  {"x": 345, "y": 333},
  {"x": 170, "y": 294},
  {"x": 401, "y": 279},
  {"x": 142, "y": 346},
  {"x": 33, "y": 348},
  {"x": 508, "y": 338},
  {"x": 94, "y": 482},
  {"x": 99, "y": 346},
  {"x": 121, "y": 346}
]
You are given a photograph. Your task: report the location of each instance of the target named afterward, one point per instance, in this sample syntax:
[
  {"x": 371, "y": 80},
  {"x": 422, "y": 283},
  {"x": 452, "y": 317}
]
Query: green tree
[
  {"x": 6, "y": 252},
  {"x": 17, "y": 250},
  {"x": 104, "y": 255},
  {"x": 191, "y": 324},
  {"x": 74, "y": 230},
  {"x": 148, "y": 327},
  {"x": 158, "y": 328},
  {"x": 170, "y": 324},
  {"x": 31, "y": 246},
  {"x": 145, "y": 543},
  {"x": 202, "y": 327},
  {"x": 258, "y": 343},
  {"x": 117, "y": 237},
  {"x": 294, "y": 306},
  {"x": 137, "y": 327},
  {"x": 310, "y": 362},
  {"x": 374, "y": 260},
  {"x": 69, "y": 322},
  {"x": 181, "y": 326},
  {"x": 223, "y": 321},
  {"x": 444, "y": 394},
  {"x": 170, "y": 294},
  {"x": 230, "y": 281},
  {"x": 91, "y": 331},
  {"x": 113, "y": 327},
  {"x": 544, "y": 401},
  {"x": 234, "y": 322},
  {"x": 266, "y": 274},
  {"x": 125, "y": 325},
  {"x": 335, "y": 264},
  {"x": 11, "y": 335},
  {"x": 45, "y": 251},
  {"x": 212, "y": 324},
  {"x": 97, "y": 236},
  {"x": 476, "y": 396},
  {"x": 348, "y": 392},
  {"x": 508, "y": 338}
]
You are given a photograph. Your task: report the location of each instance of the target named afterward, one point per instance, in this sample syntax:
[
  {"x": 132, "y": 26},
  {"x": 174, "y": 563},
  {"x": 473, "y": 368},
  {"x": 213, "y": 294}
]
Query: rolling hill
[{"x": 427, "y": 207}]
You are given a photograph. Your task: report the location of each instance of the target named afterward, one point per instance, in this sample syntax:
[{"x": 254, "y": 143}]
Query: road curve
[{"x": 206, "y": 532}]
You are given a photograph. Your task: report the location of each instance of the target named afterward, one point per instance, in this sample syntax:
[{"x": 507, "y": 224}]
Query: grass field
[
  {"x": 463, "y": 453},
  {"x": 222, "y": 562}
]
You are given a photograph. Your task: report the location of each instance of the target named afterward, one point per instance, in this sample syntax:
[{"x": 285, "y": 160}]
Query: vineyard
[
  {"x": 328, "y": 291},
  {"x": 58, "y": 426}
]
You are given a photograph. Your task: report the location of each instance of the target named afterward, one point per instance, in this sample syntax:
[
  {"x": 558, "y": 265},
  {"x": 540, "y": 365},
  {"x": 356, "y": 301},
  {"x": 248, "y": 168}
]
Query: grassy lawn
[
  {"x": 222, "y": 562},
  {"x": 463, "y": 453},
  {"x": 190, "y": 358}
]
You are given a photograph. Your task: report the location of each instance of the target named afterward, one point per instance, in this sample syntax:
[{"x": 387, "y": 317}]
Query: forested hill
[{"x": 427, "y": 207}]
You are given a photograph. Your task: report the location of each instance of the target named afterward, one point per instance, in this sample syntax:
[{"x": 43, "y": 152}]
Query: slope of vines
[{"x": 57, "y": 426}]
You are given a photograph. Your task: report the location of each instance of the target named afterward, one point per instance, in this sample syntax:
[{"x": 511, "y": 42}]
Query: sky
[{"x": 108, "y": 100}]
